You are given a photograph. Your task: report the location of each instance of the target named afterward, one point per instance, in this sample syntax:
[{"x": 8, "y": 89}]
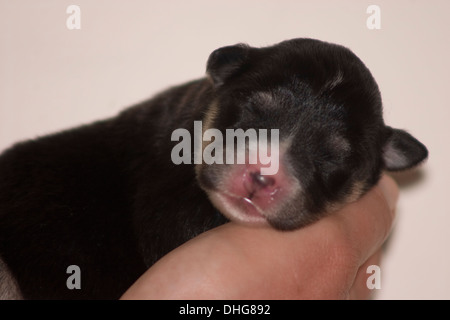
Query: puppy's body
[
  {"x": 108, "y": 198},
  {"x": 105, "y": 197}
]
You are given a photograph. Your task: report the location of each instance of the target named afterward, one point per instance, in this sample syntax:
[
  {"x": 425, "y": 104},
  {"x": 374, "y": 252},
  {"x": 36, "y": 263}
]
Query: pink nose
[
  {"x": 257, "y": 185},
  {"x": 261, "y": 181}
]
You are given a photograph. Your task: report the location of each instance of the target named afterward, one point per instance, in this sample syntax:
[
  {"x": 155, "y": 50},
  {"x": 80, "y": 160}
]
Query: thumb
[{"x": 389, "y": 189}]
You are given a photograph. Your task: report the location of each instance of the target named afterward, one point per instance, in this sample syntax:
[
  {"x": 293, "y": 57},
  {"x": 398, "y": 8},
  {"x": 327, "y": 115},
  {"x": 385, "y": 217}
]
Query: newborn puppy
[{"x": 110, "y": 198}]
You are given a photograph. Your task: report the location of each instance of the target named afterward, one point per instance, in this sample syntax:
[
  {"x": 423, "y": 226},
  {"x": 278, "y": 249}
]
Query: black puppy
[{"x": 109, "y": 198}]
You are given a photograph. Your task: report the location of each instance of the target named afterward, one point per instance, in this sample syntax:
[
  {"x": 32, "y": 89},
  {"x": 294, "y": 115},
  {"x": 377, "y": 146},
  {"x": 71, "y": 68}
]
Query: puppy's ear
[
  {"x": 402, "y": 151},
  {"x": 226, "y": 61}
]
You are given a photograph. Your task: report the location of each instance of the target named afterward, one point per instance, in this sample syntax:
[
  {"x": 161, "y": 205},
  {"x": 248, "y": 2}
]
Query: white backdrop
[{"x": 52, "y": 78}]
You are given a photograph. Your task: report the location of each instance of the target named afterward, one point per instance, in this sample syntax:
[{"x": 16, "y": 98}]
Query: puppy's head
[{"x": 326, "y": 138}]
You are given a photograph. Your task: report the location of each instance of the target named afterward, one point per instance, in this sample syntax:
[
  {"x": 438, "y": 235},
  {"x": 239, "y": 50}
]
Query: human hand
[{"x": 325, "y": 260}]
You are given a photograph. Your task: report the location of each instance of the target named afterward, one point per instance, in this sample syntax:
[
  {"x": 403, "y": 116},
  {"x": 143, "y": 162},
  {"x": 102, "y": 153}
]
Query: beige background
[{"x": 53, "y": 78}]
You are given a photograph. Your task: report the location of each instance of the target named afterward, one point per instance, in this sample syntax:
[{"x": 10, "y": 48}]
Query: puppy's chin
[
  {"x": 287, "y": 214},
  {"x": 239, "y": 209}
]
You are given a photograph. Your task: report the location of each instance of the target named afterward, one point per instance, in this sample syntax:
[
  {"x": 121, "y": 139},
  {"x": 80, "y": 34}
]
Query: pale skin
[{"x": 325, "y": 260}]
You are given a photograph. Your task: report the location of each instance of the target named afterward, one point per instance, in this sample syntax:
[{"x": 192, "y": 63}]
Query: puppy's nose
[{"x": 262, "y": 181}]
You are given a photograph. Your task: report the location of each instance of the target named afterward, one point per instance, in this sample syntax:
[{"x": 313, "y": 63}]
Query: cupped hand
[{"x": 325, "y": 260}]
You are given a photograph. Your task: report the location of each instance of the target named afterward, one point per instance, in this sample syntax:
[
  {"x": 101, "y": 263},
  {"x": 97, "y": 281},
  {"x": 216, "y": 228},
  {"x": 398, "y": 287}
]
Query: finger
[
  {"x": 367, "y": 280},
  {"x": 367, "y": 222}
]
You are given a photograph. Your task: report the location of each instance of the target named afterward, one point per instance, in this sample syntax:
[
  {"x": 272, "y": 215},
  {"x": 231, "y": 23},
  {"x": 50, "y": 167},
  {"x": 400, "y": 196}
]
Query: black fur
[{"x": 107, "y": 197}]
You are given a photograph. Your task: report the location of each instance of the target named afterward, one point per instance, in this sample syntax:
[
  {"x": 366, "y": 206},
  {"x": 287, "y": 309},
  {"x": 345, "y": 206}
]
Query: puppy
[{"x": 109, "y": 198}]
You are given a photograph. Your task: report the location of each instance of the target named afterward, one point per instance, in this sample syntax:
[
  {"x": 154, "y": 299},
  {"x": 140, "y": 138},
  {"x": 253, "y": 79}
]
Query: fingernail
[{"x": 389, "y": 189}]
